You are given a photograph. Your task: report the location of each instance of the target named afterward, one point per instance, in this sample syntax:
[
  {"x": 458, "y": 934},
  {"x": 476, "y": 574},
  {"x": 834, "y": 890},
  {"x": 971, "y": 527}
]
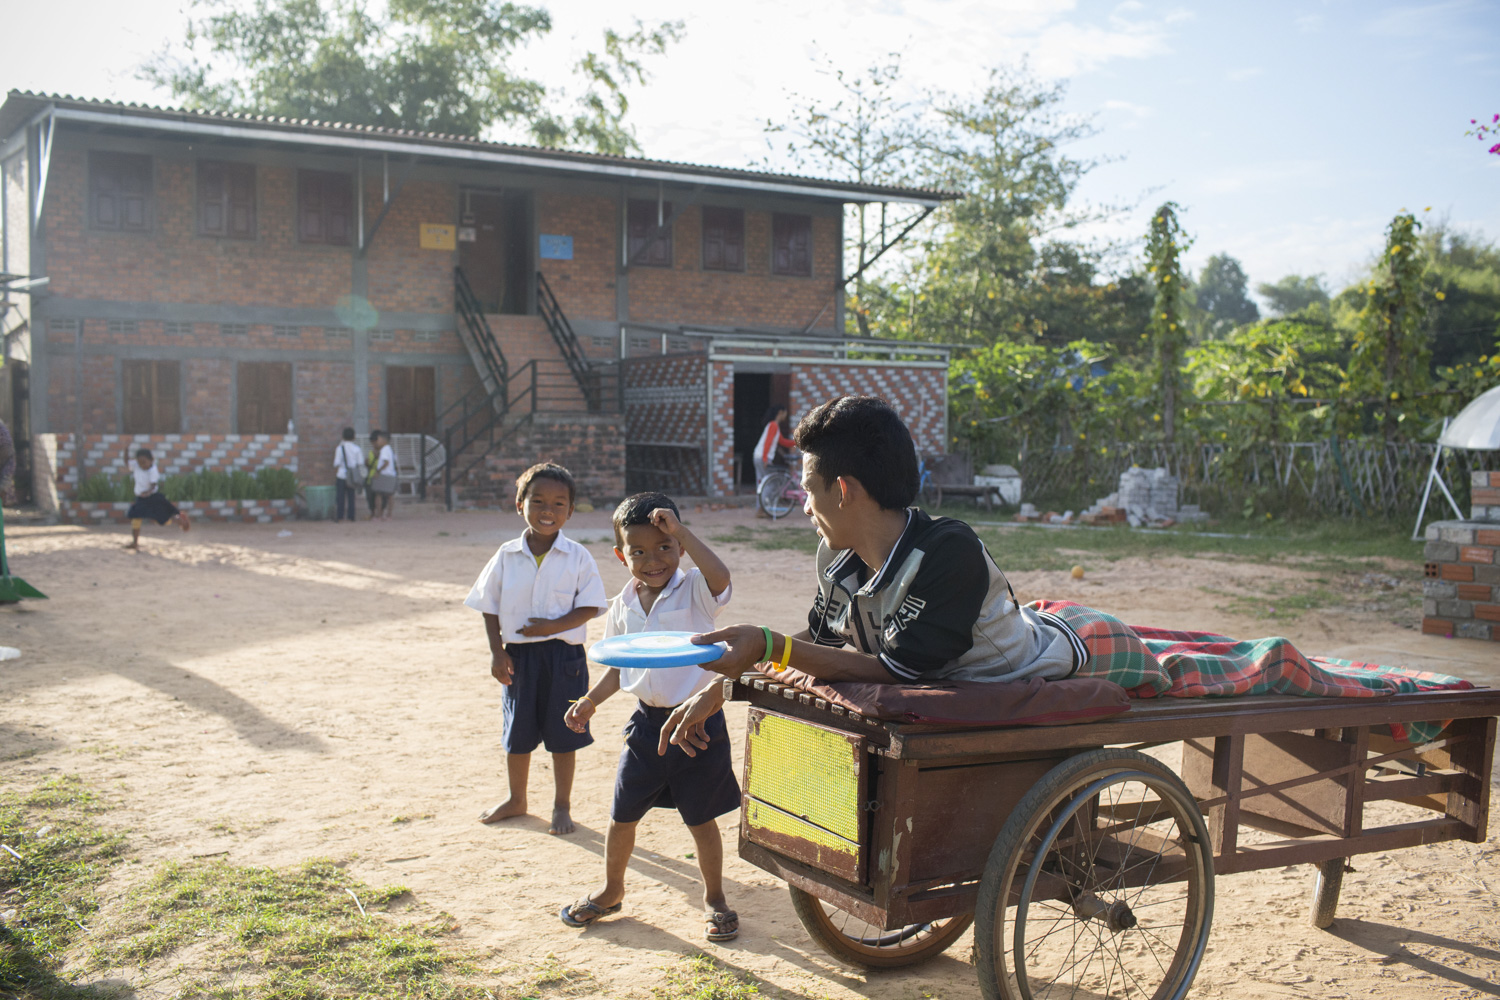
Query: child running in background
[
  {"x": 650, "y": 540},
  {"x": 537, "y": 593},
  {"x": 148, "y": 499}
]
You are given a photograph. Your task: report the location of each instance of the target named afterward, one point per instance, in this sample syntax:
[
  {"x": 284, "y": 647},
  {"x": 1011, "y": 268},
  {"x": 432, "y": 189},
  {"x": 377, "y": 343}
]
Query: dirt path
[{"x": 275, "y": 696}]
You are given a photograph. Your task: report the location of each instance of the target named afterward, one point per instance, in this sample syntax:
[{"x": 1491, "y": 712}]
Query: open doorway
[
  {"x": 754, "y": 392},
  {"x": 497, "y": 260}
]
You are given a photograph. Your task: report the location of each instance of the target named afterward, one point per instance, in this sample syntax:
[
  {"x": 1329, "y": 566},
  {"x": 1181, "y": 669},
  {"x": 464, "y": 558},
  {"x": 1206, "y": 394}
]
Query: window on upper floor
[
  {"x": 120, "y": 192},
  {"x": 153, "y": 397},
  {"x": 226, "y": 199},
  {"x": 263, "y": 397},
  {"x": 641, "y": 216},
  {"x": 723, "y": 239},
  {"x": 325, "y": 207},
  {"x": 791, "y": 244}
]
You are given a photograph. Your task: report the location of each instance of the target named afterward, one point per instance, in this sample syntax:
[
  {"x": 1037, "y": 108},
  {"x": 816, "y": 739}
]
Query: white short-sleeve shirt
[
  {"x": 348, "y": 458},
  {"x": 145, "y": 479},
  {"x": 385, "y": 465},
  {"x": 513, "y": 586},
  {"x": 684, "y": 605}
]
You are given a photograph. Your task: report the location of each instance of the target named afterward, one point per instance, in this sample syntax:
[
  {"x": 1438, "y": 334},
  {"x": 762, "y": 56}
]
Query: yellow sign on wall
[{"x": 438, "y": 237}]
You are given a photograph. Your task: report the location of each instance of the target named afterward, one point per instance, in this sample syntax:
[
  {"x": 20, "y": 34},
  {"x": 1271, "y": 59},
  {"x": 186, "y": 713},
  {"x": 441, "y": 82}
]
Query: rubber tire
[
  {"x": 774, "y": 485},
  {"x": 809, "y": 910},
  {"x": 992, "y": 968},
  {"x": 1325, "y": 894}
]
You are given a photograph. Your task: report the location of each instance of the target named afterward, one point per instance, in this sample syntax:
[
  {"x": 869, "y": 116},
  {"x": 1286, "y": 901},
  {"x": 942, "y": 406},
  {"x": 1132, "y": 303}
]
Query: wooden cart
[{"x": 1086, "y": 865}]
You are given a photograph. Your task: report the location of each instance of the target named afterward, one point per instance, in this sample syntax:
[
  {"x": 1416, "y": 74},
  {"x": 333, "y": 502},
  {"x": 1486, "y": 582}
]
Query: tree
[
  {"x": 1167, "y": 332},
  {"x": 428, "y": 65},
  {"x": 1390, "y": 355},
  {"x": 1293, "y": 293},
  {"x": 1461, "y": 287},
  {"x": 1221, "y": 293},
  {"x": 869, "y": 135}
]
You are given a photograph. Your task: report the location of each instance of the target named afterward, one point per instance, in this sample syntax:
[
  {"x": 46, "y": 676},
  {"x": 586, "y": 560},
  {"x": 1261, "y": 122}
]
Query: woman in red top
[{"x": 770, "y": 439}]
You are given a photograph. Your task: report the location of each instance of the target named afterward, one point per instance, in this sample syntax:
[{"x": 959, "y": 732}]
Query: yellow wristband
[
  {"x": 786, "y": 654},
  {"x": 587, "y": 699}
]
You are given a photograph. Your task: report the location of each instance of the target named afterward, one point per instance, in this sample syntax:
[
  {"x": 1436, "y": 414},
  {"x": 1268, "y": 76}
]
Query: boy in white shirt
[
  {"x": 650, "y": 540},
  {"x": 537, "y": 594},
  {"x": 148, "y": 499}
]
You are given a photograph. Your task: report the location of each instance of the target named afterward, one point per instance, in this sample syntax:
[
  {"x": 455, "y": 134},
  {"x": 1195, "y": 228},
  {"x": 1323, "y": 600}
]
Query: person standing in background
[
  {"x": 349, "y": 476},
  {"x": 383, "y": 483}
]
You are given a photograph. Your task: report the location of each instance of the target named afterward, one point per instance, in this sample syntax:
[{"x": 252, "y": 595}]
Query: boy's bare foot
[
  {"x": 509, "y": 809},
  {"x": 133, "y": 547},
  {"x": 561, "y": 821},
  {"x": 183, "y": 520}
]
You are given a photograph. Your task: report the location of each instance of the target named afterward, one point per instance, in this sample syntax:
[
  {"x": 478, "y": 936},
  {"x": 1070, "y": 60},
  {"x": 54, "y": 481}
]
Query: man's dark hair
[
  {"x": 862, "y": 437},
  {"x": 348, "y": 433},
  {"x": 636, "y": 509},
  {"x": 144, "y": 453},
  {"x": 545, "y": 470}
]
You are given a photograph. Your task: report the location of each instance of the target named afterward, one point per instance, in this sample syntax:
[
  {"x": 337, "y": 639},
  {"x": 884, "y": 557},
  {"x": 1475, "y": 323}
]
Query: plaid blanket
[{"x": 1153, "y": 662}]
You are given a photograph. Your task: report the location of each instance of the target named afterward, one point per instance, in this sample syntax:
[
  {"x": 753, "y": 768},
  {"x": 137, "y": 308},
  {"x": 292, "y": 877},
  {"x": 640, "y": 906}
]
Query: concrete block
[
  {"x": 1487, "y": 574},
  {"x": 1440, "y": 551},
  {"x": 1429, "y": 607},
  {"x": 1439, "y": 588},
  {"x": 1473, "y": 630},
  {"x": 1459, "y": 532},
  {"x": 1456, "y": 609}
]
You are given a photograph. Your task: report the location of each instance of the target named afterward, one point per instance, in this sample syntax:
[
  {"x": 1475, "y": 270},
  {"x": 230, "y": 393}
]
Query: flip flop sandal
[
  {"x": 721, "y": 925},
  {"x": 591, "y": 911}
]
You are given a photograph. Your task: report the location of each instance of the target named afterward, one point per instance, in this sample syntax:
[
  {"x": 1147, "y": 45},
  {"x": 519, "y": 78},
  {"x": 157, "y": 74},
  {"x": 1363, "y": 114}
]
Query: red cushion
[{"x": 1032, "y": 702}]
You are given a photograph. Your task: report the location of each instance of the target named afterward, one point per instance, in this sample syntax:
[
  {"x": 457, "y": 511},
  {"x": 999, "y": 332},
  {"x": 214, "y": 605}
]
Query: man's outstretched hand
[
  {"x": 747, "y": 647},
  {"x": 685, "y": 726}
]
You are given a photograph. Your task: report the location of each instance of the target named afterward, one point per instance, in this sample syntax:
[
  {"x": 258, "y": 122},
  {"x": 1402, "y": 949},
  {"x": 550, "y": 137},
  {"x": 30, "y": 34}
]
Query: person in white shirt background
[
  {"x": 650, "y": 539},
  {"x": 537, "y": 594},
  {"x": 349, "y": 476},
  {"x": 383, "y": 482},
  {"x": 148, "y": 499}
]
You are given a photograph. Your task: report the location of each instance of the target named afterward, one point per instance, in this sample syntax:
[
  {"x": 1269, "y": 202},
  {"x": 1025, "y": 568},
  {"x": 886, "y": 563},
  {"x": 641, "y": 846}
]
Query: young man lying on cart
[
  {"x": 903, "y": 598},
  {"x": 892, "y": 782}
]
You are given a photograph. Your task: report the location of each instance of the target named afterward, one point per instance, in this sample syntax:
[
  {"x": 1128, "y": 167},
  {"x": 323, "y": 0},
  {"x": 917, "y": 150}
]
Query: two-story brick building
[{"x": 194, "y": 277}]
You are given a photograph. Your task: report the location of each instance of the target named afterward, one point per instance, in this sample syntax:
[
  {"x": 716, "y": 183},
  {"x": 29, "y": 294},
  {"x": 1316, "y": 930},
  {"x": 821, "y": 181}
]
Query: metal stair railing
[
  {"x": 500, "y": 414},
  {"x": 484, "y": 349},
  {"x": 567, "y": 343}
]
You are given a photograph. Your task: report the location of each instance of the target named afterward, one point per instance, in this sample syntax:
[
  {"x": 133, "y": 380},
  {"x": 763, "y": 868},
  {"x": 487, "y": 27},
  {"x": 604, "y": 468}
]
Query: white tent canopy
[{"x": 1476, "y": 428}]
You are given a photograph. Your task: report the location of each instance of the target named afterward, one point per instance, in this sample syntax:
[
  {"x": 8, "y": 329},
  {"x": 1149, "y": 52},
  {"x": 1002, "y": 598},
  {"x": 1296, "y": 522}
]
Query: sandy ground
[{"x": 270, "y": 693}]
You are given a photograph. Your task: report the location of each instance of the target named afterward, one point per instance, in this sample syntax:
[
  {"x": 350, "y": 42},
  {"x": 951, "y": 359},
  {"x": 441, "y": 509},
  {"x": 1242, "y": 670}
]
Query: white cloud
[
  {"x": 1130, "y": 108},
  {"x": 1252, "y": 176},
  {"x": 1241, "y": 75}
]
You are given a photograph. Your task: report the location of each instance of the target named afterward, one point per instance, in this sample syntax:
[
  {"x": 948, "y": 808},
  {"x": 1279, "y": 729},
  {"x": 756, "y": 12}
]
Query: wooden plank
[
  {"x": 1280, "y": 853},
  {"x": 891, "y": 840},
  {"x": 959, "y": 812},
  {"x": 1358, "y": 740},
  {"x": 845, "y": 895},
  {"x": 1227, "y": 775},
  {"x": 1469, "y": 802},
  {"x": 1431, "y": 787},
  {"x": 1286, "y": 776},
  {"x": 1178, "y": 718}
]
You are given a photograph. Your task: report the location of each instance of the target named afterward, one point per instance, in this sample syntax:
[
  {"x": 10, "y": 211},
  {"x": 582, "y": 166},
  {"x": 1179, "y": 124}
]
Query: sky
[{"x": 1289, "y": 132}]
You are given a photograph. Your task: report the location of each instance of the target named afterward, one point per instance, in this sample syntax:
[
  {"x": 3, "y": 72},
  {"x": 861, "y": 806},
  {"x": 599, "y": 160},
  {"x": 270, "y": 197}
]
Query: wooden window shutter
[
  {"x": 338, "y": 196},
  {"x": 791, "y": 244},
  {"x": 325, "y": 207},
  {"x": 211, "y": 216},
  {"x": 152, "y": 401},
  {"x": 120, "y": 191},
  {"x": 264, "y": 390},
  {"x": 723, "y": 239},
  {"x": 240, "y": 200},
  {"x": 640, "y": 225},
  {"x": 310, "y": 207}
]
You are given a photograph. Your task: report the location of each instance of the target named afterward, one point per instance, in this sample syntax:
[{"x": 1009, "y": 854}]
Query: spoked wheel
[
  {"x": 771, "y": 494},
  {"x": 1100, "y": 884},
  {"x": 851, "y": 940}
]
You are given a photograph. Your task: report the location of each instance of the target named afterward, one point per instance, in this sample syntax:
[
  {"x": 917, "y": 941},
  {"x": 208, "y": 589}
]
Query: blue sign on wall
[{"x": 557, "y": 247}]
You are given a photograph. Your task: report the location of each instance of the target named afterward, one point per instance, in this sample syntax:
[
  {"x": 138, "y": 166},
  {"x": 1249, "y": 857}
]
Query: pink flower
[
  {"x": 1496, "y": 119},
  {"x": 1495, "y": 148}
]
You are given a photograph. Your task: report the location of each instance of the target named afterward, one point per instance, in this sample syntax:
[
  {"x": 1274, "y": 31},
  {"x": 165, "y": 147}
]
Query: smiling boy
[
  {"x": 537, "y": 593},
  {"x": 650, "y": 540}
]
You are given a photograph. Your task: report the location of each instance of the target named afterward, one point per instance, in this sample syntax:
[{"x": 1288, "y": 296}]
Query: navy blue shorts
[
  {"x": 701, "y": 788},
  {"x": 548, "y": 676}
]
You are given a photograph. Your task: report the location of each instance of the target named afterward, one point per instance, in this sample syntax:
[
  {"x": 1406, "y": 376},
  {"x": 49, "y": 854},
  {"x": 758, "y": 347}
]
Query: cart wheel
[
  {"x": 771, "y": 495},
  {"x": 1101, "y": 882},
  {"x": 851, "y": 940},
  {"x": 1325, "y": 895}
]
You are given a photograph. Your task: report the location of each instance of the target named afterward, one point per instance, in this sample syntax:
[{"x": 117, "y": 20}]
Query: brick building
[{"x": 210, "y": 278}]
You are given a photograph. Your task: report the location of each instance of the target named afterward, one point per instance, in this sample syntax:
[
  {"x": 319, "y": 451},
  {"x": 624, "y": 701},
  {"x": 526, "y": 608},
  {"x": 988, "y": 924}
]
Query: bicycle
[{"x": 779, "y": 493}]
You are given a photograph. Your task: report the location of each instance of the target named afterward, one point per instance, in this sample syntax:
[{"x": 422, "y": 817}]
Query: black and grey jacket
[{"x": 939, "y": 609}]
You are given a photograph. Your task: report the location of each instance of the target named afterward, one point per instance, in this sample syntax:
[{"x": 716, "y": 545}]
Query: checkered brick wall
[
  {"x": 920, "y": 395},
  {"x": 1461, "y": 592},
  {"x": 80, "y": 456},
  {"x": 721, "y": 431},
  {"x": 665, "y": 400}
]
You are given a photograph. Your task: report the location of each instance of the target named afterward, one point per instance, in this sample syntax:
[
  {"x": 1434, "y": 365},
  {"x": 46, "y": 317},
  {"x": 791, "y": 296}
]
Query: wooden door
[{"x": 411, "y": 399}]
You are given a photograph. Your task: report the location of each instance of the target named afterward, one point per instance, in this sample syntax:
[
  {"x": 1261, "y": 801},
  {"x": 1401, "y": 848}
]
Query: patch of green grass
[
  {"x": 1278, "y": 604},
  {"x": 299, "y": 931},
  {"x": 49, "y": 895},
  {"x": 552, "y": 979},
  {"x": 698, "y": 977},
  {"x": 1335, "y": 545}
]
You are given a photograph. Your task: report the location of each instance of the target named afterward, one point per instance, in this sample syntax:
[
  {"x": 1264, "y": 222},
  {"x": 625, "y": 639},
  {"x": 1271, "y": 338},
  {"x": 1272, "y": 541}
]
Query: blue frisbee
[{"x": 652, "y": 650}]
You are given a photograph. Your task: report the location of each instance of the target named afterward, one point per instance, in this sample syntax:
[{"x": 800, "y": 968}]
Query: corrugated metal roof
[{"x": 20, "y": 106}]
